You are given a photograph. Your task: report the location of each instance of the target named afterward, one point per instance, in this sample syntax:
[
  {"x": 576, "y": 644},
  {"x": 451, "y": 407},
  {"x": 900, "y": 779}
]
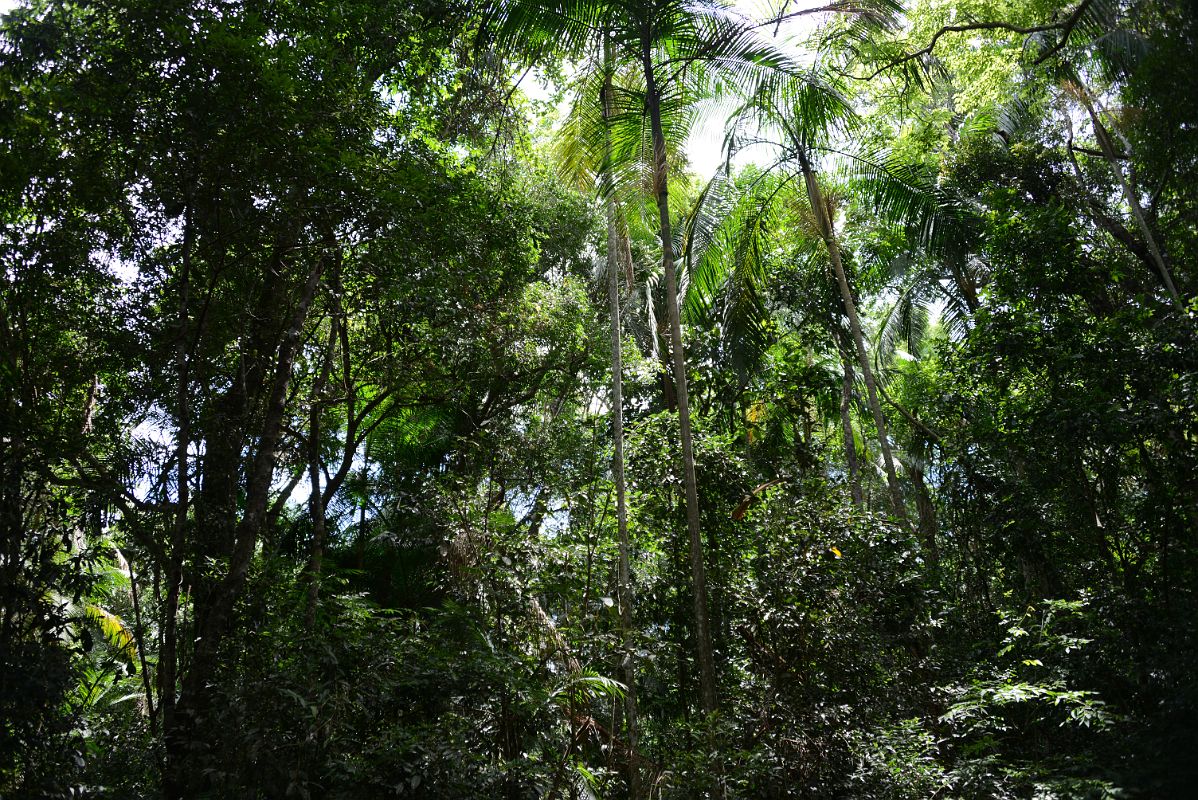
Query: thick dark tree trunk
[
  {"x": 184, "y": 740},
  {"x": 927, "y": 518}
]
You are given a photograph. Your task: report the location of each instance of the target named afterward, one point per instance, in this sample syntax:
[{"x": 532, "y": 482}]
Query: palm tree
[
  {"x": 823, "y": 215},
  {"x": 806, "y": 111},
  {"x": 684, "y": 50},
  {"x": 576, "y": 159}
]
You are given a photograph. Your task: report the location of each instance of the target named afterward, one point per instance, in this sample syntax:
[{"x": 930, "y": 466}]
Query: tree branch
[
  {"x": 1066, "y": 27},
  {"x": 834, "y": 8}
]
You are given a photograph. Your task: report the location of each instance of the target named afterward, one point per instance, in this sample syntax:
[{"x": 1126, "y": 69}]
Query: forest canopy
[{"x": 395, "y": 401}]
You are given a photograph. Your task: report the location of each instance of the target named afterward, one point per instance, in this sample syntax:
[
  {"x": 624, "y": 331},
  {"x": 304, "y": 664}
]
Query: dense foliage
[{"x": 321, "y": 476}]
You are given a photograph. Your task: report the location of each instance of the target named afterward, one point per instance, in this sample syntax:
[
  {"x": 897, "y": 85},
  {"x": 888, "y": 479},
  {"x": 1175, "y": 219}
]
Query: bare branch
[
  {"x": 1066, "y": 27},
  {"x": 834, "y": 8}
]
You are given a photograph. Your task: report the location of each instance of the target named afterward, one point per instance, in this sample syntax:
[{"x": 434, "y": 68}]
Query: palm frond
[
  {"x": 585, "y": 686},
  {"x": 1006, "y": 122},
  {"x": 955, "y": 316},
  {"x": 114, "y": 630},
  {"x": 578, "y": 146},
  {"x": 908, "y": 194},
  {"x": 733, "y": 54},
  {"x": 724, "y": 254},
  {"x": 905, "y": 322},
  {"x": 700, "y": 241},
  {"x": 533, "y": 30}
]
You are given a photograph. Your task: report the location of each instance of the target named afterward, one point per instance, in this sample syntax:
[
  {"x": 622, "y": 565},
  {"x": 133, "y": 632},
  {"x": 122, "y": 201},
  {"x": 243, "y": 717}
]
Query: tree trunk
[
  {"x": 846, "y": 423},
  {"x": 1127, "y": 182},
  {"x": 214, "y": 609},
  {"x": 669, "y": 398},
  {"x": 824, "y": 220},
  {"x": 140, "y": 634},
  {"x": 707, "y": 684},
  {"x": 628, "y": 661},
  {"x": 927, "y": 518},
  {"x": 168, "y": 659},
  {"x": 316, "y": 500}
]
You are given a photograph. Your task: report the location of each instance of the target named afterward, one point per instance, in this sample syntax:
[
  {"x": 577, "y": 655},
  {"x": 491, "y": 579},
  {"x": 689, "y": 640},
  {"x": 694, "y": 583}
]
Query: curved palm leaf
[{"x": 114, "y": 630}]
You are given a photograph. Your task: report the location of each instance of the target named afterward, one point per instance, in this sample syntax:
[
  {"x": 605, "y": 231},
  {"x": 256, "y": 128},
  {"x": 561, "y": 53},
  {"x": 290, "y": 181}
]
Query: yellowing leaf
[{"x": 114, "y": 631}]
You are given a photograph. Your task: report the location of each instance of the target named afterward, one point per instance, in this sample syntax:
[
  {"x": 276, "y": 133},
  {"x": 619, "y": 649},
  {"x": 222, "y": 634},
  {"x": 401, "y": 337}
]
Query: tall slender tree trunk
[
  {"x": 846, "y": 423},
  {"x": 316, "y": 505},
  {"x": 824, "y": 220},
  {"x": 140, "y": 634},
  {"x": 614, "y": 251},
  {"x": 707, "y": 683},
  {"x": 668, "y": 396},
  {"x": 628, "y": 659},
  {"x": 360, "y": 541},
  {"x": 1127, "y": 182},
  {"x": 168, "y": 659}
]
